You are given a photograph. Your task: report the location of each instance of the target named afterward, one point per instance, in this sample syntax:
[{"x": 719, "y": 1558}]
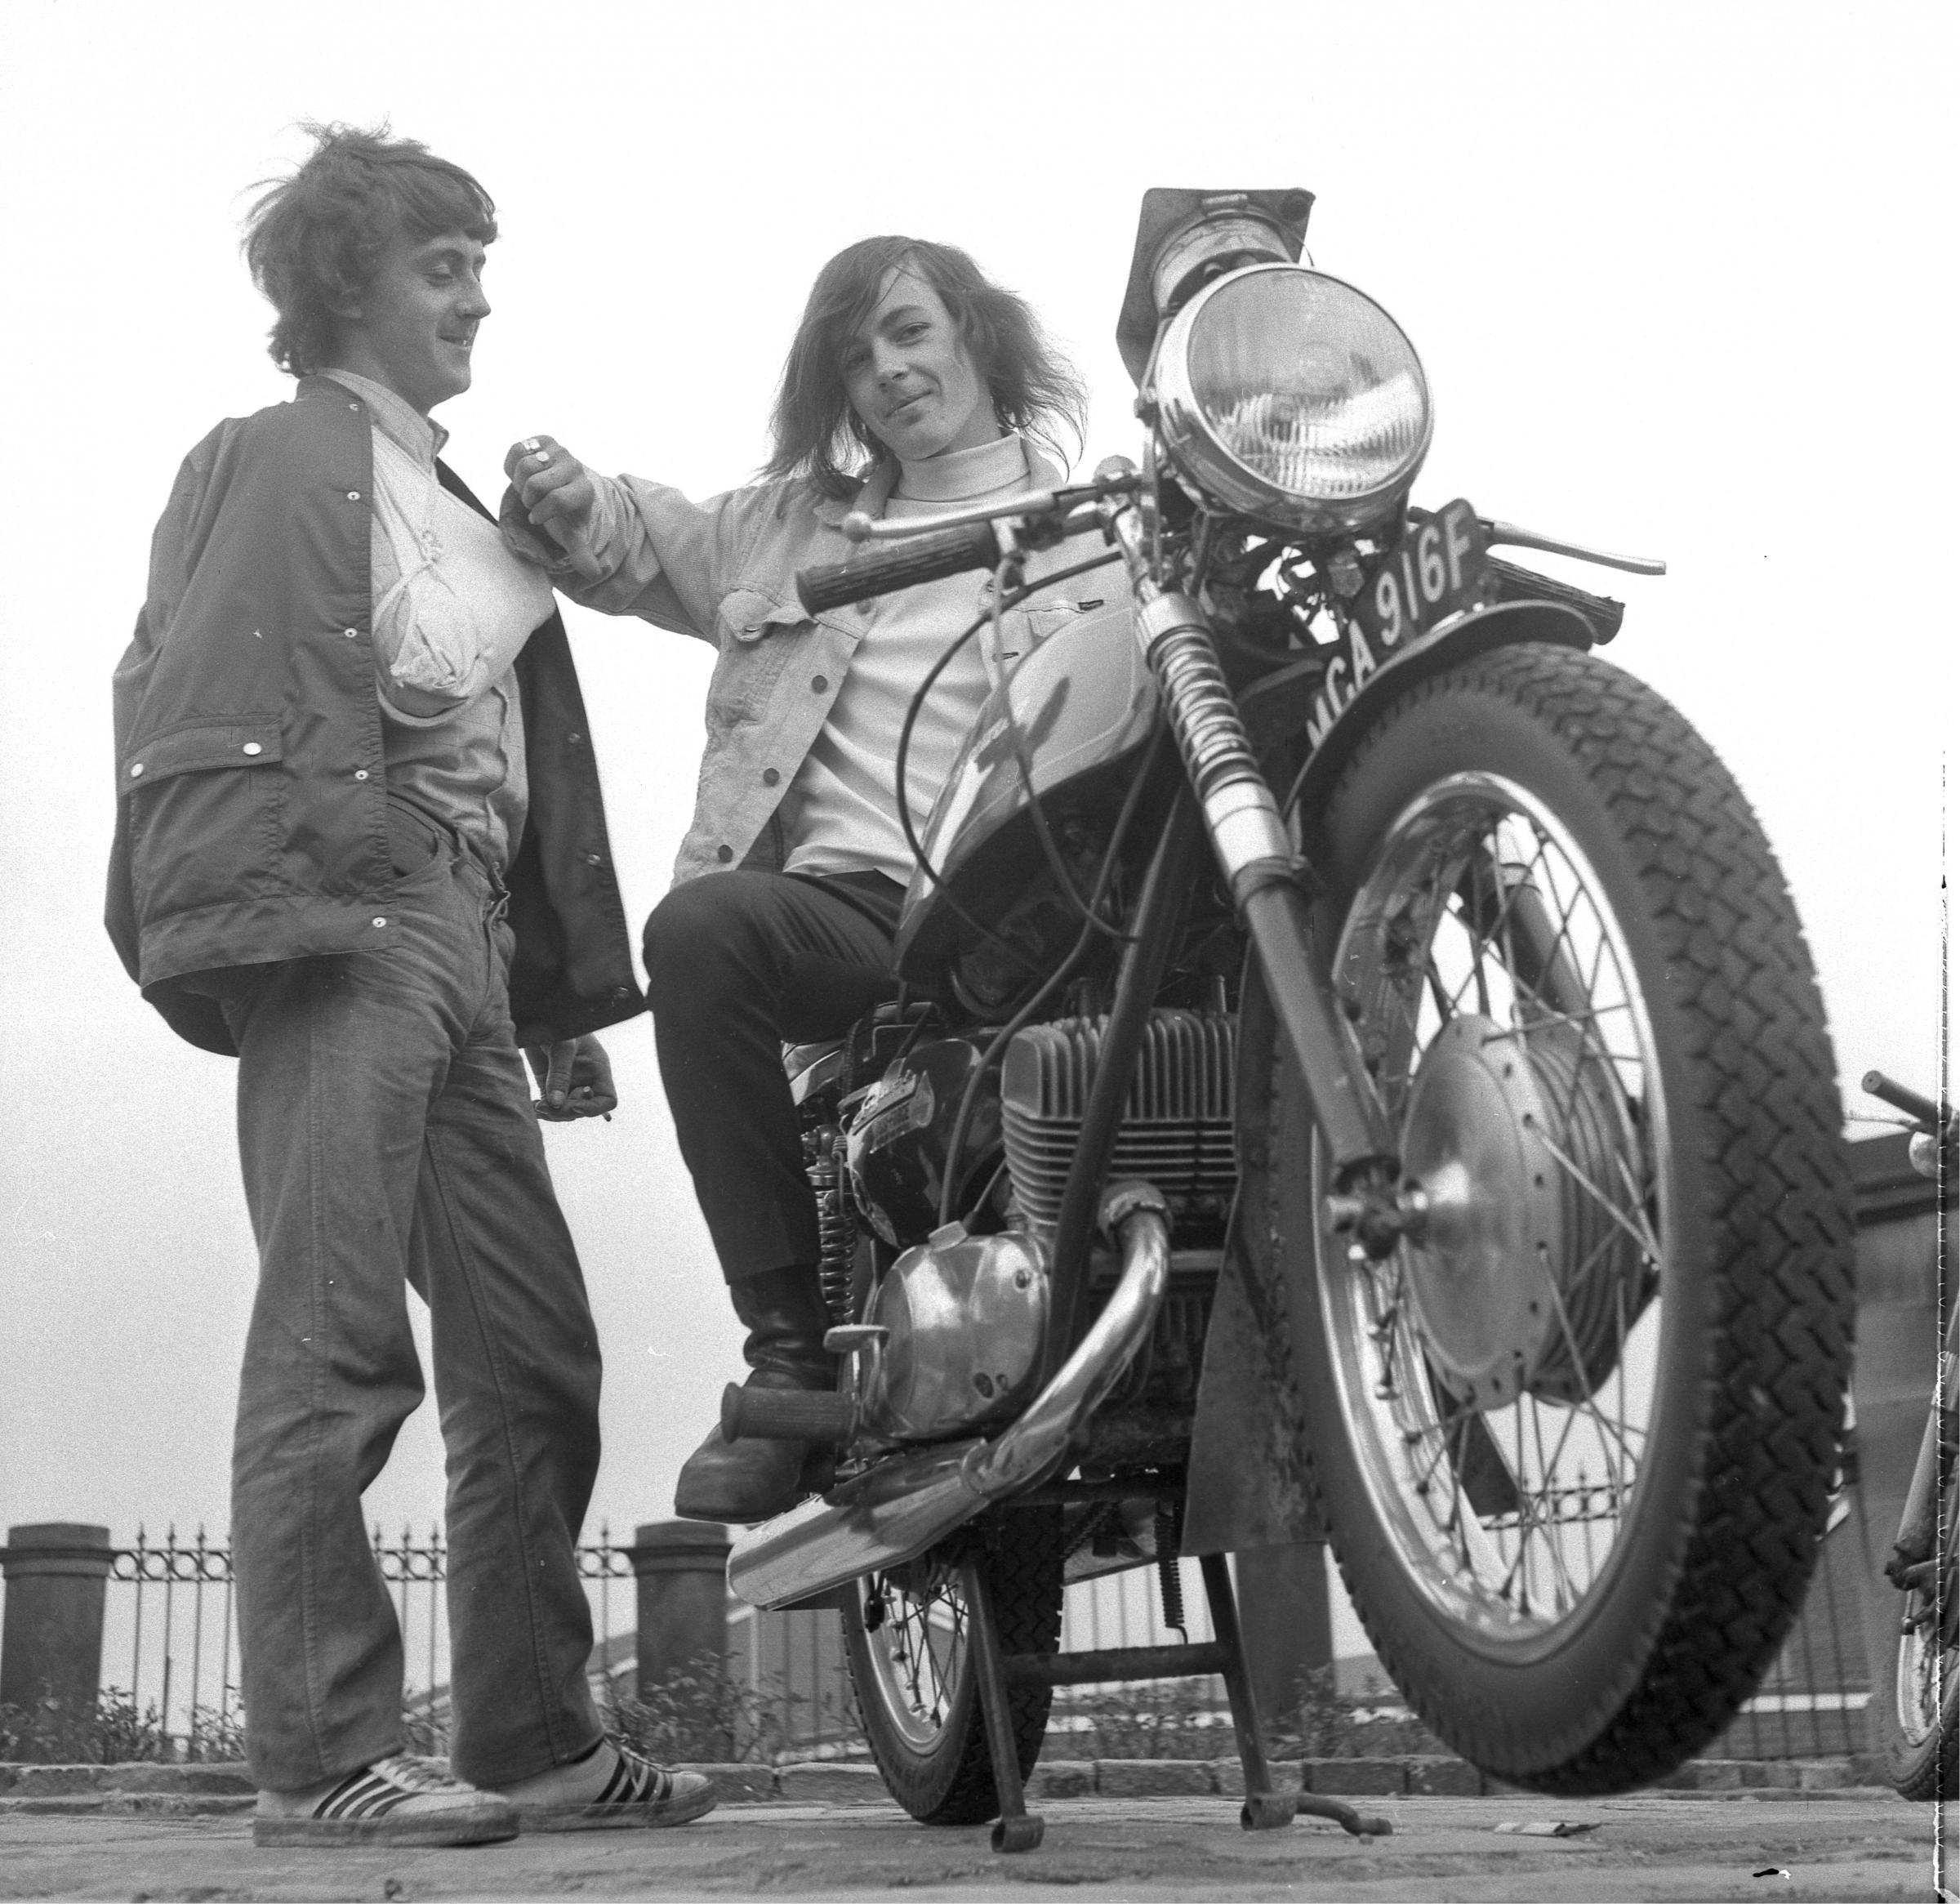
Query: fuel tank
[{"x": 1075, "y": 713}]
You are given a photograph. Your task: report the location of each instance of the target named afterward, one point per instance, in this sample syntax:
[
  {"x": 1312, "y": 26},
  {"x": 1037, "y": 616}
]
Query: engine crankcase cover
[
  {"x": 898, "y": 1144},
  {"x": 965, "y": 1317}
]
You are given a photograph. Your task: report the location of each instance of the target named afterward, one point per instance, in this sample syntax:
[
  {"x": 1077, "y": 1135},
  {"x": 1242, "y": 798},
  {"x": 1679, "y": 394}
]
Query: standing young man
[{"x": 360, "y": 845}]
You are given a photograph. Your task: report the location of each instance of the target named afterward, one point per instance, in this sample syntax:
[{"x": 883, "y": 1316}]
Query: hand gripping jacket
[{"x": 251, "y": 815}]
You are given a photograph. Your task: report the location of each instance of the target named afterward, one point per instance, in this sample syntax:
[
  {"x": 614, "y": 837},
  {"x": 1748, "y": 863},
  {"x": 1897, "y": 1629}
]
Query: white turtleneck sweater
[{"x": 842, "y": 808}]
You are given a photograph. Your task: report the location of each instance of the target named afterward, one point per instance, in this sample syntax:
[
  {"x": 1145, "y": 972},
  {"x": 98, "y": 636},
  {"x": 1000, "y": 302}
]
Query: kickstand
[
  {"x": 1016, "y": 1829},
  {"x": 1349, "y": 1820},
  {"x": 1264, "y": 1808}
]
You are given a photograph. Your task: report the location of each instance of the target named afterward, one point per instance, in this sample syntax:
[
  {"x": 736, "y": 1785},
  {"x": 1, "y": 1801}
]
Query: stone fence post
[
  {"x": 681, "y": 1570},
  {"x": 51, "y": 1640}
]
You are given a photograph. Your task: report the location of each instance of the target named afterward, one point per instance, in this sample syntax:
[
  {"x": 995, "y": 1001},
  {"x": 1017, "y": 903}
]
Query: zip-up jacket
[{"x": 252, "y": 809}]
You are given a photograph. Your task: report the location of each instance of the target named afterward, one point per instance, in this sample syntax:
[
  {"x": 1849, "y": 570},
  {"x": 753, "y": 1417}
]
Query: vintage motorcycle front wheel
[
  {"x": 1574, "y": 1444},
  {"x": 905, "y": 1637}
]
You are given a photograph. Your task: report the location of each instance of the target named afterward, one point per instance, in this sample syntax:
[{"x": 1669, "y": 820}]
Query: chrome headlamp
[{"x": 1290, "y": 397}]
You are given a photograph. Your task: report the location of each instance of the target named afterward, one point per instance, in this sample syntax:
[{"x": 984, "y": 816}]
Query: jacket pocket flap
[
  {"x": 747, "y": 614},
  {"x": 196, "y": 746}
]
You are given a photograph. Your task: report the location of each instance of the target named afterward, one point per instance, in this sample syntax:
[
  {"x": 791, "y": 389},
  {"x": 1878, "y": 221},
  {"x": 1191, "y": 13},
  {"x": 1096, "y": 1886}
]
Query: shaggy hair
[
  {"x": 314, "y": 241},
  {"x": 817, "y": 435}
]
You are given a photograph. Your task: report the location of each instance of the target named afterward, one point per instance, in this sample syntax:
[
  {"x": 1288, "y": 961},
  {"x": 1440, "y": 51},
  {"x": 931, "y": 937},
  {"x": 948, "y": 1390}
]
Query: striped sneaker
[
  {"x": 393, "y": 1801},
  {"x": 636, "y": 1794}
]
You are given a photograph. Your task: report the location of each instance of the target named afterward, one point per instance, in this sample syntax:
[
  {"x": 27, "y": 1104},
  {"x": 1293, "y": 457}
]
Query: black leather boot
[{"x": 743, "y": 1481}]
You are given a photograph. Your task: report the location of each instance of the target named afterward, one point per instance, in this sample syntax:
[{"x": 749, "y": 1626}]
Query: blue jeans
[{"x": 387, "y": 1137}]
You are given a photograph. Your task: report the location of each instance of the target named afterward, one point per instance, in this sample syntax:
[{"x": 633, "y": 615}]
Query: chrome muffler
[{"x": 903, "y": 1506}]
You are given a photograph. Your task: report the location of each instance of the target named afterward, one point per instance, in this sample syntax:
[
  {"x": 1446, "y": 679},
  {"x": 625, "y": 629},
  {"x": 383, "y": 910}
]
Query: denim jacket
[{"x": 725, "y": 571}]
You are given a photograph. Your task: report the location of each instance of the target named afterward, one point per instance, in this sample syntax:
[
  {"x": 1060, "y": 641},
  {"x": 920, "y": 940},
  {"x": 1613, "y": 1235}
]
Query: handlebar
[
  {"x": 1921, "y": 1110},
  {"x": 833, "y": 585}
]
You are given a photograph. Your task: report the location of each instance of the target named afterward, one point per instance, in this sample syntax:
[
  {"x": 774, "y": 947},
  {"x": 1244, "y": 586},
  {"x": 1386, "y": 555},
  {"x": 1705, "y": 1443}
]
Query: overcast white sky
[{"x": 1678, "y": 273}]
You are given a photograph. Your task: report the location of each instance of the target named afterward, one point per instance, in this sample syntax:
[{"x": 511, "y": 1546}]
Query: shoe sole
[
  {"x": 485, "y": 1825},
  {"x": 656, "y": 1813}
]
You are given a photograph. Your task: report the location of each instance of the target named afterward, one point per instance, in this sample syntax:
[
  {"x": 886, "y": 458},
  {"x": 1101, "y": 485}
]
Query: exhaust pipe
[{"x": 901, "y": 1508}]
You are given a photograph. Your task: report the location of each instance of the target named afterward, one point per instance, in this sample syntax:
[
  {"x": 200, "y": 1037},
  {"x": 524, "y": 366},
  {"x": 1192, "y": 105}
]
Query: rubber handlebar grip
[
  {"x": 820, "y": 1415},
  {"x": 833, "y": 585},
  {"x": 1902, "y": 1098}
]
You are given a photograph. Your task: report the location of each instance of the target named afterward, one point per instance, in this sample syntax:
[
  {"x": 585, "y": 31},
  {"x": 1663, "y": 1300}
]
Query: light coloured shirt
[
  {"x": 452, "y": 608},
  {"x": 841, "y": 812}
]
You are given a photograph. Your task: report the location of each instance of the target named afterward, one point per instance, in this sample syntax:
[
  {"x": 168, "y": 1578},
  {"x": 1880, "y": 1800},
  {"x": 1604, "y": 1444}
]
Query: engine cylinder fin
[{"x": 1177, "y": 1130}]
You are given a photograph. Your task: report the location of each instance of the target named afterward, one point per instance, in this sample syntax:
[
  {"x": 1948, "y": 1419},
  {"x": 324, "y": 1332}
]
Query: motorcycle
[
  {"x": 1918, "y": 1689},
  {"x": 1357, "y": 1075}
]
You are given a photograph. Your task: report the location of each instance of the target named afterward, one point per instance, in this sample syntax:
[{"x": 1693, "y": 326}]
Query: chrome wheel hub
[{"x": 1480, "y": 1278}]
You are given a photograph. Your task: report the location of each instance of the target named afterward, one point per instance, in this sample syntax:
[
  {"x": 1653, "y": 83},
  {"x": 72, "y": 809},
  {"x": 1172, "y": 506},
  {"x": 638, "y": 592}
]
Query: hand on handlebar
[{"x": 557, "y": 496}]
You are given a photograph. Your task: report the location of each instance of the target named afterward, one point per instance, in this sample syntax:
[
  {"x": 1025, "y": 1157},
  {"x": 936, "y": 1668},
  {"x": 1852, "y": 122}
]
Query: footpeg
[{"x": 817, "y": 1415}]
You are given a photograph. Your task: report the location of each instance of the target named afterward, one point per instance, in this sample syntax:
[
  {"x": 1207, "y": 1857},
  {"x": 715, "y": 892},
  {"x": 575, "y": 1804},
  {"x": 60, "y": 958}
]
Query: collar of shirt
[
  {"x": 422, "y": 437},
  {"x": 955, "y": 474},
  {"x": 880, "y": 481}
]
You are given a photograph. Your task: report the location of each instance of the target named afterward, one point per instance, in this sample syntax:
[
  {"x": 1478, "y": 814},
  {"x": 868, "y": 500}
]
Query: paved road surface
[{"x": 1845, "y": 1846}]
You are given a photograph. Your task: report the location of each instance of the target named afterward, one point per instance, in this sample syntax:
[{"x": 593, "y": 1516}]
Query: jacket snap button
[
  {"x": 725, "y": 854},
  {"x": 770, "y": 776},
  {"x": 136, "y": 769},
  {"x": 253, "y": 748},
  {"x": 596, "y": 859},
  {"x": 819, "y": 684},
  {"x": 380, "y": 921},
  {"x": 354, "y": 495},
  {"x": 350, "y": 633},
  {"x": 360, "y": 773}
]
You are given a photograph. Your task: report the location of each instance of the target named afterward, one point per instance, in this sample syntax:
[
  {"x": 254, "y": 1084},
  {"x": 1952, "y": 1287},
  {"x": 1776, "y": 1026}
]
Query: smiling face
[
  {"x": 911, "y": 378},
  {"x": 415, "y": 325}
]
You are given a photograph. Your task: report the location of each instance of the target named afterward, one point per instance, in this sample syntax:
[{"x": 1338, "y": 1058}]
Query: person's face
[
  {"x": 415, "y": 325},
  {"x": 911, "y": 378}
]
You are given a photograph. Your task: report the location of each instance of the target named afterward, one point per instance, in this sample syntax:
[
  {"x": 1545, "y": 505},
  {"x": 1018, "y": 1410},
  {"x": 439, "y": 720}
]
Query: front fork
[{"x": 1256, "y": 854}]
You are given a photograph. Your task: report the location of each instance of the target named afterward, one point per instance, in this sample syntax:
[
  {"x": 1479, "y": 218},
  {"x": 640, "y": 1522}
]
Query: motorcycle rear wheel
[
  {"x": 1575, "y": 1448},
  {"x": 918, "y": 1697}
]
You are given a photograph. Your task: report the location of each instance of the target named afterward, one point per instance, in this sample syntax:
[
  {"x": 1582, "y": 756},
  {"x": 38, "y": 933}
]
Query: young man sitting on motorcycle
[{"x": 914, "y": 386}]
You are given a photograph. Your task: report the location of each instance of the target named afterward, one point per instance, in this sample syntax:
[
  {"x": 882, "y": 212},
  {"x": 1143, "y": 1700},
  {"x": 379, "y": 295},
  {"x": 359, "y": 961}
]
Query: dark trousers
[
  {"x": 739, "y": 964},
  {"x": 388, "y": 1138}
]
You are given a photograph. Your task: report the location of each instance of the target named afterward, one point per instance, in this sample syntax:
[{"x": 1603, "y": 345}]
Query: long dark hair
[
  {"x": 817, "y": 434},
  {"x": 314, "y": 241}
]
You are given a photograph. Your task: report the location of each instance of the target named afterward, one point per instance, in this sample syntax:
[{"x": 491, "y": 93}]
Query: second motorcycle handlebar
[
  {"x": 1901, "y": 1097},
  {"x": 833, "y": 585}
]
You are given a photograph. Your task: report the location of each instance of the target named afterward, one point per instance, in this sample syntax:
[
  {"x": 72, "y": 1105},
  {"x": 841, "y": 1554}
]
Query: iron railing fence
[
  {"x": 171, "y": 1650},
  {"x": 170, "y": 1643}
]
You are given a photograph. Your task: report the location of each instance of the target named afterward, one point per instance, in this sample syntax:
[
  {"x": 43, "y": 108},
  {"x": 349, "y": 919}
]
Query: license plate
[{"x": 1437, "y": 570}]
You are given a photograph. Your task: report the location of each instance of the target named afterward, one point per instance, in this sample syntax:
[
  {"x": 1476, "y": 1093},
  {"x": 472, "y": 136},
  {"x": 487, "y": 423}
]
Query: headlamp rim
[{"x": 1195, "y": 451}]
